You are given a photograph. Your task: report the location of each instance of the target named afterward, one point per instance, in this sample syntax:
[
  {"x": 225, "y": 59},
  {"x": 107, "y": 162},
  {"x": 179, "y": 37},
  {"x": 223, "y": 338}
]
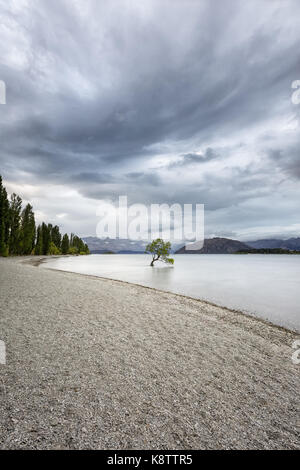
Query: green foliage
[
  {"x": 53, "y": 250},
  {"x": 38, "y": 250},
  {"x": 27, "y": 235},
  {"x": 78, "y": 244},
  {"x": 4, "y": 220},
  {"x": 56, "y": 236},
  {"x": 4, "y": 251},
  {"x": 159, "y": 250},
  {"x": 19, "y": 236},
  {"x": 65, "y": 244},
  {"x": 46, "y": 238},
  {"x": 15, "y": 208},
  {"x": 73, "y": 250}
]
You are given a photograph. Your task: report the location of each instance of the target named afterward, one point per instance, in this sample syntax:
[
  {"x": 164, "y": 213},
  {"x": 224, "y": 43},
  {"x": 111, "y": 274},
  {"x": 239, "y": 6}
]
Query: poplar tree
[
  {"x": 46, "y": 234},
  {"x": 65, "y": 244},
  {"x": 27, "y": 230},
  {"x": 19, "y": 236},
  {"x": 77, "y": 246},
  {"x": 38, "y": 250},
  {"x": 4, "y": 220},
  {"x": 15, "y": 208},
  {"x": 56, "y": 236}
]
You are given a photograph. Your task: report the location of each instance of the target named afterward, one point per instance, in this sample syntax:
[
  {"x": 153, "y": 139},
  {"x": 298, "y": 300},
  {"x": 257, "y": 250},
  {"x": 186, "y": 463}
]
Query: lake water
[{"x": 266, "y": 286}]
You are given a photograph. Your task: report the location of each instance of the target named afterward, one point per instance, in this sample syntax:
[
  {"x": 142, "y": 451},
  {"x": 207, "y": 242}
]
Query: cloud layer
[{"x": 165, "y": 101}]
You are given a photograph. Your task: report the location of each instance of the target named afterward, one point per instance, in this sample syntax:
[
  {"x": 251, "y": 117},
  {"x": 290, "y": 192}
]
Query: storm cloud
[
  {"x": 194, "y": 158},
  {"x": 160, "y": 100}
]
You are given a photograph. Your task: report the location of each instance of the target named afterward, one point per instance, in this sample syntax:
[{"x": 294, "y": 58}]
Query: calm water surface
[{"x": 263, "y": 285}]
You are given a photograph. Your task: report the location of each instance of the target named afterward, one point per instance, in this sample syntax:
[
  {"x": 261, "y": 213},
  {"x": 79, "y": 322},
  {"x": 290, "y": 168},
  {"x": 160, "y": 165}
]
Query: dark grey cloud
[
  {"x": 194, "y": 158},
  {"x": 163, "y": 101},
  {"x": 89, "y": 177},
  {"x": 149, "y": 178},
  {"x": 287, "y": 159}
]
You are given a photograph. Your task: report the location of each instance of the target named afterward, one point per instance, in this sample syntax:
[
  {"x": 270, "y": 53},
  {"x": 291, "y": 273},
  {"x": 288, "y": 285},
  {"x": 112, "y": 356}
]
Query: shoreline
[
  {"x": 44, "y": 260},
  {"x": 94, "y": 363}
]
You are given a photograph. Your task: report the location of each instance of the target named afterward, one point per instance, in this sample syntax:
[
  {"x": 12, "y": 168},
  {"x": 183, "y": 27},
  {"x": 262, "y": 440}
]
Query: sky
[{"x": 164, "y": 101}]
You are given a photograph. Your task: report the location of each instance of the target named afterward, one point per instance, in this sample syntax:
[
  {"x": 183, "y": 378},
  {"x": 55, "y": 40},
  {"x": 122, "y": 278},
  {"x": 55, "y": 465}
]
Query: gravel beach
[{"x": 101, "y": 364}]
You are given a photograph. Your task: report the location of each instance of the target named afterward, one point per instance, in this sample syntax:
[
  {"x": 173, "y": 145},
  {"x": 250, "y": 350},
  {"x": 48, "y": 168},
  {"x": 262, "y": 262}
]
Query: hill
[
  {"x": 217, "y": 246},
  {"x": 289, "y": 244}
]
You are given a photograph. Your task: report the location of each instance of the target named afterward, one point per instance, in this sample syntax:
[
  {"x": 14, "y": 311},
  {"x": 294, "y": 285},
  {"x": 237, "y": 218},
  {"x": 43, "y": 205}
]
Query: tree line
[
  {"x": 268, "y": 251},
  {"x": 20, "y": 236}
]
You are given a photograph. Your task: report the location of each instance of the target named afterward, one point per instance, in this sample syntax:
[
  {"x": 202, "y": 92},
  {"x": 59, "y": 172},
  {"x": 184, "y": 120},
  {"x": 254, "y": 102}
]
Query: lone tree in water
[{"x": 159, "y": 250}]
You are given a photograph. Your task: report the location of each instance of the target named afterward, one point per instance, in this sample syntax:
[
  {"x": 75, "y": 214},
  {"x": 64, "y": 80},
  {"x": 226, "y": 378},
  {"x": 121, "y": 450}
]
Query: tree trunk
[{"x": 154, "y": 259}]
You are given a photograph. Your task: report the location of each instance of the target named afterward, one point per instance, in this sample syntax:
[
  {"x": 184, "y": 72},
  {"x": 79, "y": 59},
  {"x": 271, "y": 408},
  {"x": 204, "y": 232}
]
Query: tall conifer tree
[
  {"x": 46, "y": 234},
  {"x": 27, "y": 230},
  {"x": 18, "y": 234},
  {"x": 4, "y": 220},
  {"x": 15, "y": 208},
  {"x": 38, "y": 250},
  {"x": 65, "y": 244}
]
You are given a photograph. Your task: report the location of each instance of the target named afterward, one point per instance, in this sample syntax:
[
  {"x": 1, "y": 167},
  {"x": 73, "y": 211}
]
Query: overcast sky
[{"x": 164, "y": 101}]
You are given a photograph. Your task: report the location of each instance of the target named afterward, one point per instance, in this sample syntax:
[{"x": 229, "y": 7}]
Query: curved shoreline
[
  {"x": 94, "y": 363},
  {"x": 44, "y": 260}
]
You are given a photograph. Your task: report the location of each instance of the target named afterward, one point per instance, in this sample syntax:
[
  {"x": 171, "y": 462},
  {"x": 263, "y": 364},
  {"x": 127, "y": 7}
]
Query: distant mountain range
[
  {"x": 119, "y": 245},
  {"x": 226, "y": 245},
  {"x": 98, "y": 245},
  {"x": 290, "y": 244},
  {"x": 215, "y": 245}
]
